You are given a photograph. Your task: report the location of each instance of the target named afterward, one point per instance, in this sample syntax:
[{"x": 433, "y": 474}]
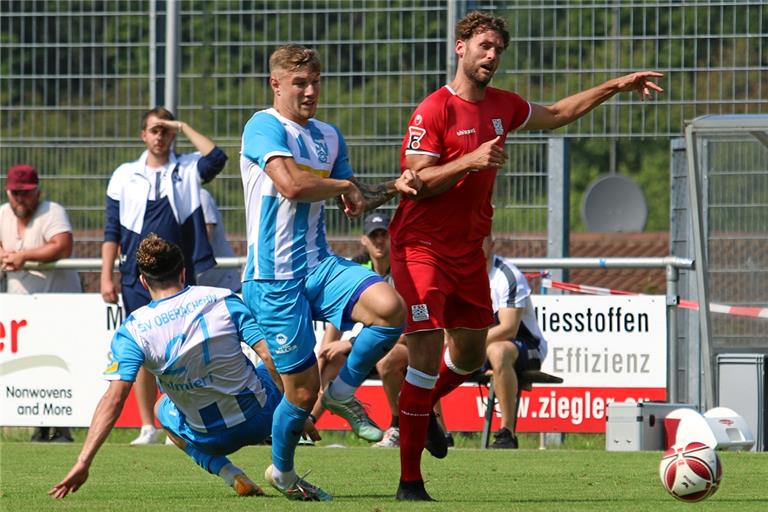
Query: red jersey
[{"x": 445, "y": 126}]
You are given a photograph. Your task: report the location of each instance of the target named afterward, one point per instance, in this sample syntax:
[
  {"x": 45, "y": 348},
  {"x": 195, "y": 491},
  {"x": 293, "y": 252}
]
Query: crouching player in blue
[{"x": 215, "y": 401}]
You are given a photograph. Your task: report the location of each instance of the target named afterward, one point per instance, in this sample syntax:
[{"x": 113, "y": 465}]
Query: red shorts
[{"x": 440, "y": 292}]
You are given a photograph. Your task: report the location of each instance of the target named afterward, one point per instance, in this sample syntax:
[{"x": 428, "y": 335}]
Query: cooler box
[{"x": 634, "y": 427}]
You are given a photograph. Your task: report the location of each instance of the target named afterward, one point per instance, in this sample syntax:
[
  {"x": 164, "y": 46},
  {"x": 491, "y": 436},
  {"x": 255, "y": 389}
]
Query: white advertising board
[
  {"x": 605, "y": 341},
  {"x": 53, "y": 348}
]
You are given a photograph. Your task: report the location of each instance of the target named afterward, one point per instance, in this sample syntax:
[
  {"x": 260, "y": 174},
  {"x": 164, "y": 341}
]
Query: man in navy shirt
[{"x": 160, "y": 193}]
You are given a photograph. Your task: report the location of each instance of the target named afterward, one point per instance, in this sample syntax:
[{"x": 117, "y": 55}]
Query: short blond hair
[{"x": 292, "y": 57}]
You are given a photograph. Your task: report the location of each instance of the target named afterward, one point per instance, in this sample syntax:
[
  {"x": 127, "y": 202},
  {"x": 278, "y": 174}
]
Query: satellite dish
[{"x": 614, "y": 203}]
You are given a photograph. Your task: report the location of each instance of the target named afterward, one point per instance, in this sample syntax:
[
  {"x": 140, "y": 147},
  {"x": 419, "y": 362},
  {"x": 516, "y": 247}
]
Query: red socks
[
  {"x": 414, "y": 405},
  {"x": 447, "y": 381}
]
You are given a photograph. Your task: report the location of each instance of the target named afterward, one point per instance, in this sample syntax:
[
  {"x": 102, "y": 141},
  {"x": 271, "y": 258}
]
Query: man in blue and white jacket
[{"x": 158, "y": 193}]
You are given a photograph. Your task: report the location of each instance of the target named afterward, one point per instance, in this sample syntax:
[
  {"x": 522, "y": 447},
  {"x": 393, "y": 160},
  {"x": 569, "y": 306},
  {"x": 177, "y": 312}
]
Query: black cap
[{"x": 375, "y": 221}]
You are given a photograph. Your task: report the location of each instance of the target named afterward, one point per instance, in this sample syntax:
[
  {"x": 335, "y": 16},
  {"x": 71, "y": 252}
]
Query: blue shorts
[
  {"x": 528, "y": 357},
  {"x": 285, "y": 309},
  {"x": 253, "y": 430}
]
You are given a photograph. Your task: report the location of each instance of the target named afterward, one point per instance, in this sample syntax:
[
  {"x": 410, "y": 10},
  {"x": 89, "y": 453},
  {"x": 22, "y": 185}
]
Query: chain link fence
[{"x": 75, "y": 77}]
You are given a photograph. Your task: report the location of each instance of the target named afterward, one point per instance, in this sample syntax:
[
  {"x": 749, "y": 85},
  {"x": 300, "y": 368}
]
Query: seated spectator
[
  {"x": 514, "y": 343},
  {"x": 335, "y": 347},
  {"x": 32, "y": 230}
]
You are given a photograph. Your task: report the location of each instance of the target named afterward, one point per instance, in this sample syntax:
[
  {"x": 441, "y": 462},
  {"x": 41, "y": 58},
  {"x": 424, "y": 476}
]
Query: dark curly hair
[
  {"x": 477, "y": 22},
  {"x": 160, "y": 262}
]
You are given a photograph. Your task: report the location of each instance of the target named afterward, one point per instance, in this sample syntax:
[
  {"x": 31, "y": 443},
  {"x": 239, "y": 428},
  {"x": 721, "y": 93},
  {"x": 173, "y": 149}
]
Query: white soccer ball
[{"x": 691, "y": 472}]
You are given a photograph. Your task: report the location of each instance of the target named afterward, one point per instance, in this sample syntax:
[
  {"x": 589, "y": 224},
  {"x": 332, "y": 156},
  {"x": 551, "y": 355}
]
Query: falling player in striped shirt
[{"x": 188, "y": 337}]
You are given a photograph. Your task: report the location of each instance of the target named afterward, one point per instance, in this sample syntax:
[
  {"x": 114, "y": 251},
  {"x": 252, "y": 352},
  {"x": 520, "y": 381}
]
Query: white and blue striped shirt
[
  {"x": 510, "y": 289},
  {"x": 286, "y": 238},
  {"x": 191, "y": 342}
]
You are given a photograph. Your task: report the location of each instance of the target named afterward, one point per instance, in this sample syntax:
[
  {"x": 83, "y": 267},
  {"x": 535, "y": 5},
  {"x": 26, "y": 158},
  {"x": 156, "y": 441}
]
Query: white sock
[
  {"x": 449, "y": 363},
  {"x": 420, "y": 379},
  {"x": 229, "y": 472},
  {"x": 340, "y": 390},
  {"x": 286, "y": 479}
]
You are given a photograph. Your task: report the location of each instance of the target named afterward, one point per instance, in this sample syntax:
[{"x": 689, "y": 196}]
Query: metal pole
[
  {"x": 673, "y": 299},
  {"x": 450, "y": 41},
  {"x": 558, "y": 198},
  {"x": 521, "y": 263},
  {"x": 558, "y": 225},
  {"x": 171, "y": 54},
  {"x": 699, "y": 241},
  {"x": 152, "y": 53}
]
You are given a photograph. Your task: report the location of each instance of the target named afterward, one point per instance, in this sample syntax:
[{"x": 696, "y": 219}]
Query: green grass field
[{"x": 579, "y": 475}]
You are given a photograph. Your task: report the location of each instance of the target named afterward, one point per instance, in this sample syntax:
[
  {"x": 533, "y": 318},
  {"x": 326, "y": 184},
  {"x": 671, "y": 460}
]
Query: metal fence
[
  {"x": 76, "y": 75},
  {"x": 733, "y": 179}
]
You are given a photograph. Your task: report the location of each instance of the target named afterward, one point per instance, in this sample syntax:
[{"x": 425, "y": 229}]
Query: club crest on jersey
[
  {"x": 283, "y": 346},
  {"x": 321, "y": 149},
  {"x": 419, "y": 312},
  {"x": 498, "y": 126},
  {"x": 417, "y": 120},
  {"x": 415, "y": 134}
]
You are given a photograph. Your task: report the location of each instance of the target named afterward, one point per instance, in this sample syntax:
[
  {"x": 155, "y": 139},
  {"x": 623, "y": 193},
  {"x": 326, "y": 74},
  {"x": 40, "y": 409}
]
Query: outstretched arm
[
  {"x": 573, "y": 107},
  {"x": 374, "y": 196},
  {"x": 104, "y": 418}
]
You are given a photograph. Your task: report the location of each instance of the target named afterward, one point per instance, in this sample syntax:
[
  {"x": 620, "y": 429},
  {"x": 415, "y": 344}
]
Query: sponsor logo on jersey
[
  {"x": 415, "y": 134},
  {"x": 112, "y": 368},
  {"x": 186, "y": 385},
  {"x": 470, "y": 131},
  {"x": 419, "y": 312},
  {"x": 418, "y": 119},
  {"x": 285, "y": 350},
  {"x": 498, "y": 126}
]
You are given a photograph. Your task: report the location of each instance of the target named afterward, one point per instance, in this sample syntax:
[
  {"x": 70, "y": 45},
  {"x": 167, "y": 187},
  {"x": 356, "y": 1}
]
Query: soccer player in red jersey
[{"x": 455, "y": 143}]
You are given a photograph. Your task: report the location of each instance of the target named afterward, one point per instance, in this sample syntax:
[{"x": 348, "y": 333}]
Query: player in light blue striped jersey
[
  {"x": 290, "y": 164},
  {"x": 215, "y": 401}
]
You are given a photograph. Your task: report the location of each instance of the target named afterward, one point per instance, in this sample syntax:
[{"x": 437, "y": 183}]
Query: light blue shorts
[
  {"x": 285, "y": 309},
  {"x": 253, "y": 430}
]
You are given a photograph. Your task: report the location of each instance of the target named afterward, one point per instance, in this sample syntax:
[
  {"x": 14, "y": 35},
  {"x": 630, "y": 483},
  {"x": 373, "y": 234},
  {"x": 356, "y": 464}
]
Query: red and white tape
[{"x": 687, "y": 304}]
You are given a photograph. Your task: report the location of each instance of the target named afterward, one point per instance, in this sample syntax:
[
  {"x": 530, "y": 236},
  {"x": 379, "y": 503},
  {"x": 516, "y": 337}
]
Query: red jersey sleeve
[
  {"x": 520, "y": 109},
  {"x": 425, "y": 129}
]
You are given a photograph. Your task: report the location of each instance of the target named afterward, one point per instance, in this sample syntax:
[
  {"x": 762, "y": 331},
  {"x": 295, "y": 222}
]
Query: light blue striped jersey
[
  {"x": 191, "y": 343},
  {"x": 286, "y": 238}
]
